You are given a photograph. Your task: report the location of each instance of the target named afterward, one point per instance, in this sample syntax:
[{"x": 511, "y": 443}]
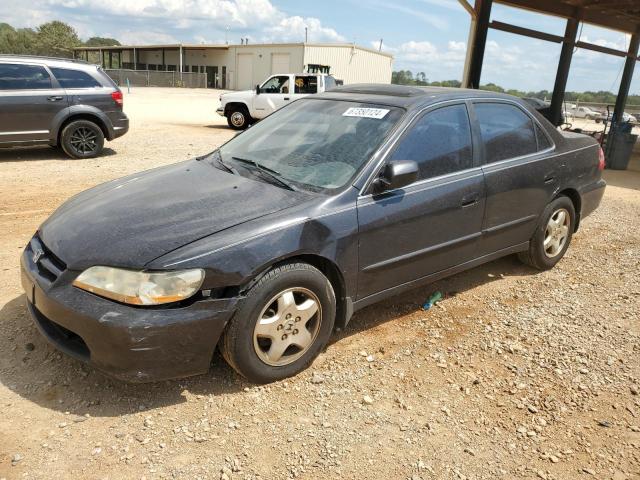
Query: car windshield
[{"x": 313, "y": 144}]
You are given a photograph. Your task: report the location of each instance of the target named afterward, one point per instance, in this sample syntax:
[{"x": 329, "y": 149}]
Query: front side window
[
  {"x": 15, "y": 76},
  {"x": 507, "y": 132},
  {"x": 316, "y": 145},
  {"x": 439, "y": 142},
  {"x": 306, "y": 84},
  {"x": 74, "y": 78},
  {"x": 279, "y": 84}
]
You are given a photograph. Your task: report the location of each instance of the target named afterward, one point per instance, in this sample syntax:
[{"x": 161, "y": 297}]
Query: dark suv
[{"x": 58, "y": 102}]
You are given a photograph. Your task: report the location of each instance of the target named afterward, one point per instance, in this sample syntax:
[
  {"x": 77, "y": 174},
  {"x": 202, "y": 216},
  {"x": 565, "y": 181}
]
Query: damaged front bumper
[{"x": 133, "y": 344}]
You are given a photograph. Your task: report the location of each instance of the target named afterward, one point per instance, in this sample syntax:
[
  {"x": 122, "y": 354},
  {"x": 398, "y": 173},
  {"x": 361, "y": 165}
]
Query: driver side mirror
[
  {"x": 258, "y": 89},
  {"x": 396, "y": 174}
]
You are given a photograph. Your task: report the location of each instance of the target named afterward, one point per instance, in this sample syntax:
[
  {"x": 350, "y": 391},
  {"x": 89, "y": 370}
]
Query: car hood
[{"x": 131, "y": 221}]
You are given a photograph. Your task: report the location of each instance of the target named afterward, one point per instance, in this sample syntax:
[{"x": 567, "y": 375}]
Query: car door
[
  {"x": 275, "y": 93},
  {"x": 29, "y": 101},
  {"x": 521, "y": 173},
  {"x": 433, "y": 224}
]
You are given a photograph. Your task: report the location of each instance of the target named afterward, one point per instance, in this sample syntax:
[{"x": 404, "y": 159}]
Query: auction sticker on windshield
[{"x": 378, "y": 113}]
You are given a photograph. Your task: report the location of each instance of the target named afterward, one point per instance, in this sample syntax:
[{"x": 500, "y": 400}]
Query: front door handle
[
  {"x": 55, "y": 98},
  {"x": 469, "y": 200},
  {"x": 286, "y": 98}
]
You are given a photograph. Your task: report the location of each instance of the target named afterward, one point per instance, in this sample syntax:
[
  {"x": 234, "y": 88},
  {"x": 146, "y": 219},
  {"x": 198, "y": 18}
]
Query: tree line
[
  {"x": 56, "y": 39},
  {"x": 406, "y": 77}
]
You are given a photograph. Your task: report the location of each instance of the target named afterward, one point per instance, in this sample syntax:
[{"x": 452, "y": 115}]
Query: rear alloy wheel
[
  {"x": 82, "y": 139},
  {"x": 553, "y": 235},
  {"x": 238, "y": 118},
  {"x": 281, "y": 325}
]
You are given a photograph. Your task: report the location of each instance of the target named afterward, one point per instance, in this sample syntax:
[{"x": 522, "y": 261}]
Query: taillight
[
  {"x": 601, "y": 161},
  {"x": 117, "y": 97}
]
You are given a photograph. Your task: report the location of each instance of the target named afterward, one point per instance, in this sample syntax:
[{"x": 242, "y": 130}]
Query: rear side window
[
  {"x": 329, "y": 83},
  {"x": 74, "y": 78},
  {"x": 306, "y": 84},
  {"x": 440, "y": 142},
  {"x": 15, "y": 76},
  {"x": 507, "y": 132},
  {"x": 543, "y": 139}
]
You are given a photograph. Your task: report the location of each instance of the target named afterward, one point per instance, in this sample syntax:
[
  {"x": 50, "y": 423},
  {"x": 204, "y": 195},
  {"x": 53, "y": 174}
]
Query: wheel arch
[
  {"x": 344, "y": 307},
  {"x": 228, "y": 108},
  {"x": 575, "y": 198},
  {"x": 83, "y": 116}
]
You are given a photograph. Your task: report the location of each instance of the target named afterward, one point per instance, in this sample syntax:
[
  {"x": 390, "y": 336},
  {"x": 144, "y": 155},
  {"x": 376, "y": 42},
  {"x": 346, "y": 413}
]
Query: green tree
[
  {"x": 56, "y": 39},
  {"x": 101, "y": 42}
]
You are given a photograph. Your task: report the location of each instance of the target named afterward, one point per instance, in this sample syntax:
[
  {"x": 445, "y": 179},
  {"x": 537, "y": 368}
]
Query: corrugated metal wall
[
  {"x": 351, "y": 63},
  {"x": 261, "y": 62}
]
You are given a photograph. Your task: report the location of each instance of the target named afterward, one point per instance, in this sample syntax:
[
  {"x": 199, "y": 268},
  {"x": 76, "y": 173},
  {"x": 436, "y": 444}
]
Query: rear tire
[
  {"x": 553, "y": 235},
  {"x": 238, "y": 118},
  {"x": 82, "y": 139},
  {"x": 281, "y": 325}
]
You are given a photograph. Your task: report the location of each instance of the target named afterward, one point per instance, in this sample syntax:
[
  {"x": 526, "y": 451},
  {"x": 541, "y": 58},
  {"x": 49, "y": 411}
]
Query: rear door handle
[
  {"x": 286, "y": 98},
  {"x": 55, "y": 98},
  {"x": 549, "y": 179},
  {"x": 469, "y": 200}
]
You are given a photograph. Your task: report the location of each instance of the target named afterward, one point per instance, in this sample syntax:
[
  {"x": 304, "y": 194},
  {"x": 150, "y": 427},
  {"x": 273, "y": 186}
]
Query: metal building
[{"x": 239, "y": 67}]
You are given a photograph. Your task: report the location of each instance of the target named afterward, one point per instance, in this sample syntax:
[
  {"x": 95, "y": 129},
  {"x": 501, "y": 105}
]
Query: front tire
[
  {"x": 553, "y": 235},
  {"x": 282, "y": 324},
  {"x": 238, "y": 118},
  {"x": 82, "y": 139}
]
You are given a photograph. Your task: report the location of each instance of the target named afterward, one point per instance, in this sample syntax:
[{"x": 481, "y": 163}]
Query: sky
[{"x": 423, "y": 35}]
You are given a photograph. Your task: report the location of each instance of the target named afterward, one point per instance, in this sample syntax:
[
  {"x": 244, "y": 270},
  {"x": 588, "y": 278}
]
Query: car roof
[
  {"x": 406, "y": 96},
  {"x": 49, "y": 61}
]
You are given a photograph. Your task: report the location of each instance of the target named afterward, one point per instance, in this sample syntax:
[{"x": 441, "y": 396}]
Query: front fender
[{"x": 234, "y": 257}]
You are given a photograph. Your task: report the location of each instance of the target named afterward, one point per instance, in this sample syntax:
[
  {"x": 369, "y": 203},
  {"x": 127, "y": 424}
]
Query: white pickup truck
[{"x": 246, "y": 107}]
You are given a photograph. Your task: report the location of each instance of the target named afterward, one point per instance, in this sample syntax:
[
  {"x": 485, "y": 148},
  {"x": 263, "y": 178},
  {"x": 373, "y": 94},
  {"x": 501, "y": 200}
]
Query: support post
[
  {"x": 623, "y": 91},
  {"x": 477, "y": 43},
  {"x": 180, "y": 54},
  {"x": 135, "y": 60},
  {"x": 164, "y": 65},
  {"x": 564, "y": 66}
]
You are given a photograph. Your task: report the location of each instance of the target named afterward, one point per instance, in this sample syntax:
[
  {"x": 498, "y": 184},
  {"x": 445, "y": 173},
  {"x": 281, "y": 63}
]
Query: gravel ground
[{"x": 515, "y": 374}]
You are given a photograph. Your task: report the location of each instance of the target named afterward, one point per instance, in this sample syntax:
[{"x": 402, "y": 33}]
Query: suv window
[
  {"x": 440, "y": 142},
  {"x": 15, "y": 76},
  {"x": 507, "y": 132},
  {"x": 278, "y": 84},
  {"x": 306, "y": 84},
  {"x": 74, "y": 78}
]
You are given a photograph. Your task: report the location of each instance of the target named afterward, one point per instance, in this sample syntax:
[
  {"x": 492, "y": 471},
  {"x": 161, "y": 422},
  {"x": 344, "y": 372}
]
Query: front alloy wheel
[
  {"x": 281, "y": 325},
  {"x": 287, "y": 326}
]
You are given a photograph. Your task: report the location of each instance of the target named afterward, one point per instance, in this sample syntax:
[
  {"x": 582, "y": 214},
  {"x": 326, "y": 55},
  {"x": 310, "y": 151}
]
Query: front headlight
[{"x": 140, "y": 288}]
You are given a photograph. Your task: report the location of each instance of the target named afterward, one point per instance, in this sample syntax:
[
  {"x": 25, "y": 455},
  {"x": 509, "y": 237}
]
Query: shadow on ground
[
  {"x": 21, "y": 154},
  {"x": 33, "y": 369}
]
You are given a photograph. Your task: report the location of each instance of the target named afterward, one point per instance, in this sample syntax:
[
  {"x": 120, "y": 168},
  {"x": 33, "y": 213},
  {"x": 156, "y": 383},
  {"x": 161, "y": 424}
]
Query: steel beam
[
  {"x": 562, "y": 75},
  {"x": 527, "y": 32},
  {"x": 625, "y": 85},
  {"x": 477, "y": 43}
]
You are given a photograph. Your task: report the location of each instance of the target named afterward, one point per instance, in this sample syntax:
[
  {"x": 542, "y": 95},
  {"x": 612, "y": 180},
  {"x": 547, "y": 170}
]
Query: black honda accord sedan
[{"x": 268, "y": 243}]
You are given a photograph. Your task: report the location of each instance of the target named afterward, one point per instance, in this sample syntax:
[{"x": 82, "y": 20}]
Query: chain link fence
[{"x": 153, "y": 78}]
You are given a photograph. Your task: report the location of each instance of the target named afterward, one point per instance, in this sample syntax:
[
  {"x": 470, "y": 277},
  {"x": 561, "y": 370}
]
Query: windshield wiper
[
  {"x": 274, "y": 174},
  {"x": 217, "y": 158}
]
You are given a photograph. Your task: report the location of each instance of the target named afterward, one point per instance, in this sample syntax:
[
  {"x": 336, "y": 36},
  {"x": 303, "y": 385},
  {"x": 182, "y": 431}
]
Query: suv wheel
[
  {"x": 552, "y": 237},
  {"x": 238, "y": 118},
  {"x": 82, "y": 139},
  {"x": 282, "y": 324}
]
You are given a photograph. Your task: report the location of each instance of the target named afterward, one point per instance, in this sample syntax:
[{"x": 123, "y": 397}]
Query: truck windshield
[{"x": 315, "y": 144}]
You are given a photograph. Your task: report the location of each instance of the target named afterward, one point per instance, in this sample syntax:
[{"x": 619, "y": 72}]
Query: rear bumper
[
  {"x": 120, "y": 127},
  {"x": 129, "y": 343},
  {"x": 591, "y": 197}
]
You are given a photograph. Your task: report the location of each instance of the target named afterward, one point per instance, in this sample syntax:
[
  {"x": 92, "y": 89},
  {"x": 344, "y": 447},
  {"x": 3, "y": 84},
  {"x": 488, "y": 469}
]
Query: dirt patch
[{"x": 516, "y": 374}]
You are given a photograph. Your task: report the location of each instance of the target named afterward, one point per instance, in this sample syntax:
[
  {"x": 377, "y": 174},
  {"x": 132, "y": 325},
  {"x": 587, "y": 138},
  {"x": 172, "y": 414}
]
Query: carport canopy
[{"x": 620, "y": 15}]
